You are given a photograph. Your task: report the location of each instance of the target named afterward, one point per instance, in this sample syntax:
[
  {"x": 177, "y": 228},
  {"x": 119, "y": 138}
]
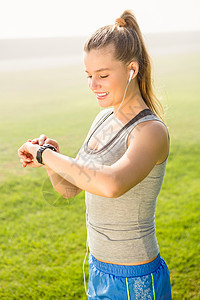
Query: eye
[
  {"x": 102, "y": 76},
  {"x": 105, "y": 76}
]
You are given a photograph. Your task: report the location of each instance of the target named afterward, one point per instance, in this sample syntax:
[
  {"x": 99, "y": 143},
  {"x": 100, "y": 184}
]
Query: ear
[{"x": 134, "y": 66}]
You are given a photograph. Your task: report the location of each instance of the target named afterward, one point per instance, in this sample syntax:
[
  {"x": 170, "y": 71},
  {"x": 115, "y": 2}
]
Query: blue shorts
[{"x": 120, "y": 282}]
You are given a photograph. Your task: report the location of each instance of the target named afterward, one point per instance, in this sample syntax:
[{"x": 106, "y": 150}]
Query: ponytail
[{"x": 129, "y": 45}]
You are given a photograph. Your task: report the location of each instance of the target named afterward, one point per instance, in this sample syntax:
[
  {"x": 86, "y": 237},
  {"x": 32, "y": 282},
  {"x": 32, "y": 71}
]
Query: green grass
[{"x": 42, "y": 245}]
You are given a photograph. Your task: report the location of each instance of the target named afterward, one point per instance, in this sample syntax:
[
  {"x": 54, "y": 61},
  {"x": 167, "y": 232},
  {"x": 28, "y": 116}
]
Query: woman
[{"x": 121, "y": 166}]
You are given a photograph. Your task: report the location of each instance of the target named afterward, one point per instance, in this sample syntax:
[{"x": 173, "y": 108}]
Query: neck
[{"x": 132, "y": 103}]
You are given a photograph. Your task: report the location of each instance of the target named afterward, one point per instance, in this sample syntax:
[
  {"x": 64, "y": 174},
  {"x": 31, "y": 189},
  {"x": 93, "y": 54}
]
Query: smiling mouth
[{"x": 101, "y": 95}]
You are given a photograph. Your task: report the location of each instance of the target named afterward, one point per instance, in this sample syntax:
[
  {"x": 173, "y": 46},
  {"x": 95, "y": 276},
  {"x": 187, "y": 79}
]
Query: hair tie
[{"x": 121, "y": 22}]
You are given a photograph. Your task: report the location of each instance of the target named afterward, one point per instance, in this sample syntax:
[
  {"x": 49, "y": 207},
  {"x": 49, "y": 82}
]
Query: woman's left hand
[{"x": 27, "y": 154}]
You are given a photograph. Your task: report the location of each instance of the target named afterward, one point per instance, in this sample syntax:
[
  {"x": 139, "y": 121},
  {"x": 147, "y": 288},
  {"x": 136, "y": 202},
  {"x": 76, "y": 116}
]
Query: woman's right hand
[{"x": 43, "y": 139}]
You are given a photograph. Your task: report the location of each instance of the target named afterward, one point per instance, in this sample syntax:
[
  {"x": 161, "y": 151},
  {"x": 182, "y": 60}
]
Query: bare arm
[
  {"x": 144, "y": 151},
  {"x": 61, "y": 185}
]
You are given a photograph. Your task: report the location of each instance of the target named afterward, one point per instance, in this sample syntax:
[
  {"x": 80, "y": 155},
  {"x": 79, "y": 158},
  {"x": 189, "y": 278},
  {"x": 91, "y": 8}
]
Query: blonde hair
[{"x": 129, "y": 46}]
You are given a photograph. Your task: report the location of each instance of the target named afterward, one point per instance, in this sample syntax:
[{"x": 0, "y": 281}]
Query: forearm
[
  {"x": 62, "y": 186},
  {"x": 96, "y": 180}
]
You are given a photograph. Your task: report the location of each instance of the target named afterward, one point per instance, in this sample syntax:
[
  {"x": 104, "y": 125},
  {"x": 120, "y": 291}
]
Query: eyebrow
[{"x": 100, "y": 70}]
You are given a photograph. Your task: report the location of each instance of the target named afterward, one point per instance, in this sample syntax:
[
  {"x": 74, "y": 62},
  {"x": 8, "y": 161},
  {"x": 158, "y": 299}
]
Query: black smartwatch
[{"x": 40, "y": 151}]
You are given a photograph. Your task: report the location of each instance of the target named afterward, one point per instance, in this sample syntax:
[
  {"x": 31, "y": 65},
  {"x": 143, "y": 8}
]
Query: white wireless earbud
[{"x": 131, "y": 74}]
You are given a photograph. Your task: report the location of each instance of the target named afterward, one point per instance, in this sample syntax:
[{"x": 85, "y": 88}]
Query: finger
[
  {"x": 42, "y": 139},
  {"x": 24, "y": 164},
  {"x": 48, "y": 141},
  {"x": 35, "y": 141},
  {"x": 24, "y": 155},
  {"x": 53, "y": 143},
  {"x": 23, "y": 152},
  {"x": 23, "y": 161},
  {"x": 27, "y": 159},
  {"x": 23, "y": 148}
]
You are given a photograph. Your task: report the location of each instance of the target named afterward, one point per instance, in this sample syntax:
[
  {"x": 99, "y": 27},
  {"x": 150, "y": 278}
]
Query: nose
[{"x": 94, "y": 83}]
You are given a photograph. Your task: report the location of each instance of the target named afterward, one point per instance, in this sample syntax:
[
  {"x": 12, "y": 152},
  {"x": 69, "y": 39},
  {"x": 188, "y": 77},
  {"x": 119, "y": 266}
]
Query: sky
[{"x": 60, "y": 18}]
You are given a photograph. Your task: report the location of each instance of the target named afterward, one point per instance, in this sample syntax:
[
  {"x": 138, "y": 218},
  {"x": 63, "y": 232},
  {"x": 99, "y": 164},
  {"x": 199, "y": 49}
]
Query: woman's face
[{"x": 107, "y": 77}]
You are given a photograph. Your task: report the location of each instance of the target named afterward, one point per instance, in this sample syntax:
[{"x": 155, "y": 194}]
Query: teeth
[{"x": 102, "y": 94}]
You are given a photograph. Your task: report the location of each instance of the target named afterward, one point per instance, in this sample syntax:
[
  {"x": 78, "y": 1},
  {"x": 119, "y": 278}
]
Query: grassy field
[{"x": 42, "y": 245}]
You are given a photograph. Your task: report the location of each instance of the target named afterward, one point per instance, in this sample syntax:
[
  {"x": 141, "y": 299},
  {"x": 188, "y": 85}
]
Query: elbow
[
  {"x": 70, "y": 193},
  {"x": 116, "y": 187},
  {"x": 113, "y": 193},
  {"x": 112, "y": 189}
]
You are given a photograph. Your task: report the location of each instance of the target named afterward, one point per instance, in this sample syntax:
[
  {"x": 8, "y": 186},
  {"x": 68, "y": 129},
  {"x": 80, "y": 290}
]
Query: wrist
[
  {"x": 45, "y": 158},
  {"x": 41, "y": 150}
]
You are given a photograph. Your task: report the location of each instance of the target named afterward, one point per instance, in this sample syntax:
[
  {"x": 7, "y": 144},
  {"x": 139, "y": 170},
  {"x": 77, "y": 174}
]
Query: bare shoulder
[
  {"x": 151, "y": 134},
  {"x": 151, "y": 129},
  {"x": 156, "y": 128}
]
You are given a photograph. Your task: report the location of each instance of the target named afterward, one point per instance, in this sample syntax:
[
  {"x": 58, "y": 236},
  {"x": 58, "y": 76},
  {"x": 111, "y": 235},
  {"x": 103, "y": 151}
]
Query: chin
[{"x": 103, "y": 104}]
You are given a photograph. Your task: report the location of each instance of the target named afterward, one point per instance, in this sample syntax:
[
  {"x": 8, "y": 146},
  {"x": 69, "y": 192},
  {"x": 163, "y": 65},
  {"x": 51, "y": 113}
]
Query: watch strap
[{"x": 41, "y": 150}]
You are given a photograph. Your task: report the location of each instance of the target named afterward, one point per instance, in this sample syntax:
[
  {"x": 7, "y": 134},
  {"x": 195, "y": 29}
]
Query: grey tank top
[{"x": 122, "y": 230}]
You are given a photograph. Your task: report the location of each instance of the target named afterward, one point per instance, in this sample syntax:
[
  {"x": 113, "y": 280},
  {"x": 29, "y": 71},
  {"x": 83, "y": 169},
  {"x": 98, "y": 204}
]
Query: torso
[
  {"x": 101, "y": 137},
  {"x": 103, "y": 236},
  {"x": 110, "y": 128},
  {"x": 136, "y": 264}
]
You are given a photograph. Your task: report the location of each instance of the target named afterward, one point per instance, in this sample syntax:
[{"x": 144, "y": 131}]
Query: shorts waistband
[{"x": 124, "y": 270}]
